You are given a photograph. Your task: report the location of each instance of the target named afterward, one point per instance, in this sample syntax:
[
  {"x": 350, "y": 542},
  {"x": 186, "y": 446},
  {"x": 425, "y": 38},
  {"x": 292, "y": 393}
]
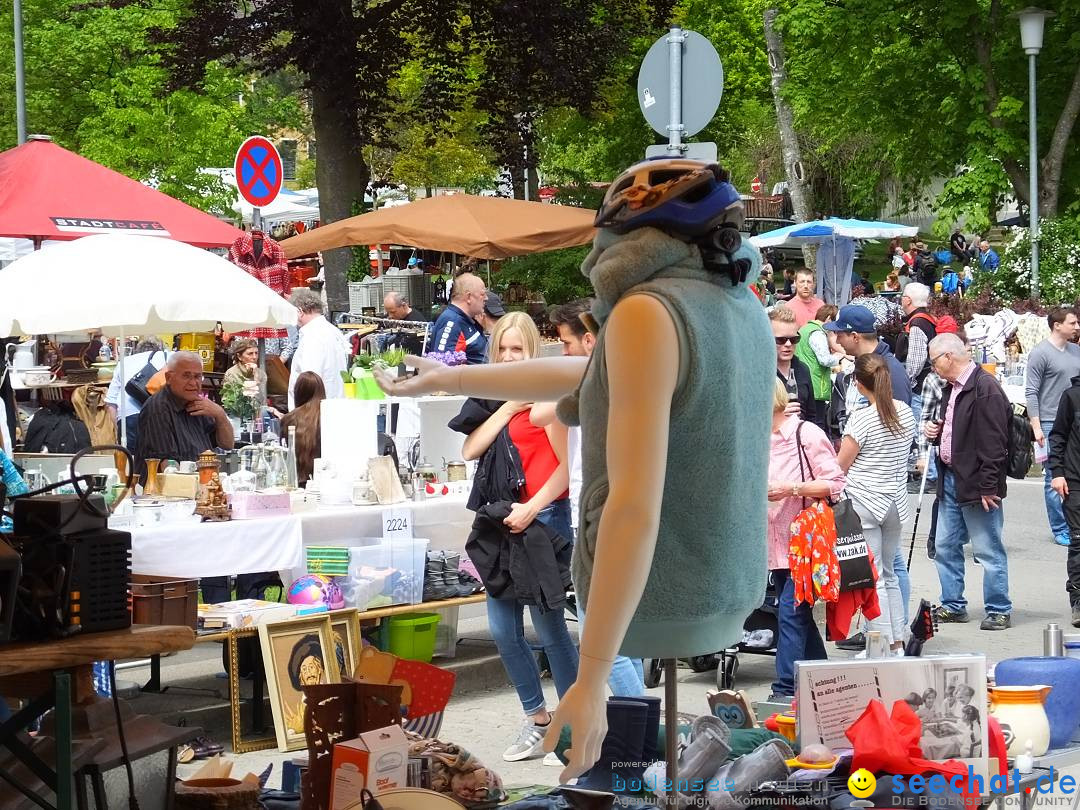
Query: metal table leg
[{"x": 63, "y": 741}]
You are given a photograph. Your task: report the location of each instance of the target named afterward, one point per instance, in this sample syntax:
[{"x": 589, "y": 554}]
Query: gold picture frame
[
  {"x": 295, "y": 654},
  {"x": 345, "y": 625}
]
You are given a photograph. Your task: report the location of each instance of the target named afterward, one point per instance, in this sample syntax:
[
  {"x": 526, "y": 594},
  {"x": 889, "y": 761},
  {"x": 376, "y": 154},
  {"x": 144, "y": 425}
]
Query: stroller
[
  {"x": 761, "y": 624},
  {"x": 762, "y": 627}
]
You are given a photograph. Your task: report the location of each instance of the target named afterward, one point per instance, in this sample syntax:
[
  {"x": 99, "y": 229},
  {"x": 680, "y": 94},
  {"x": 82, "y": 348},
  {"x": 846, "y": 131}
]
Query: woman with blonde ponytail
[{"x": 874, "y": 454}]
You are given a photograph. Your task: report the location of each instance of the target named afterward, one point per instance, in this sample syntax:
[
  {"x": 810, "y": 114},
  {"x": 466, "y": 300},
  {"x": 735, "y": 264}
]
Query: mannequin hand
[
  {"x": 584, "y": 709},
  {"x": 520, "y": 517},
  {"x": 433, "y": 377}
]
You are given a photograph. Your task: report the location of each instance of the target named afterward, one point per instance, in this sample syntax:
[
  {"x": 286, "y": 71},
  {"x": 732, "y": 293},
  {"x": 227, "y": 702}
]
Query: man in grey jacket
[{"x": 1050, "y": 368}]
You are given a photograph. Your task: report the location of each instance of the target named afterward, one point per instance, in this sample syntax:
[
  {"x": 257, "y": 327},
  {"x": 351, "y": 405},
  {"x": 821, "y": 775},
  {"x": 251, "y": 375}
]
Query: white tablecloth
[{"x": 191, "y": 551}]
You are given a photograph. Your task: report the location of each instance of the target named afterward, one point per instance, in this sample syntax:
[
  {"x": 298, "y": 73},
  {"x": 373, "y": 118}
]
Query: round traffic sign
[
  {"x": 702, "y": 84},
  {"x": 258, "y": 171}
]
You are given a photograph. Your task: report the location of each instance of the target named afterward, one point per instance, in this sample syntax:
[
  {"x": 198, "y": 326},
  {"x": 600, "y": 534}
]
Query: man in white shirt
[
  {"x": 322, "y": 347},
  {"x": 149, "y": 350},
  {"x": 627, "y": 676}
]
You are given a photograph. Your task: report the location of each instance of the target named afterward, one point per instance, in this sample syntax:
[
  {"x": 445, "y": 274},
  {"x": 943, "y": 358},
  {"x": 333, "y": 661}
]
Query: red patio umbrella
[{"x": 47, "y": 192}]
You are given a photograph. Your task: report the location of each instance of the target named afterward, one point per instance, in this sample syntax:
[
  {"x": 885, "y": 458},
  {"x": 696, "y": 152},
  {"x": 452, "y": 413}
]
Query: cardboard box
[
  {"x": 250, "y": 505},
  {"x": 377, "y": 760}
]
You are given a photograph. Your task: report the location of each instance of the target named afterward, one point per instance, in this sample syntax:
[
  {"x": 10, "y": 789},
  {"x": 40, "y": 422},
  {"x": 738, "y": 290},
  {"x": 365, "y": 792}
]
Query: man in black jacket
[
  {"x": 791, "y": 371},
  {"x": 972, "y": 434},
  {"x": 1064, "y": 463}
]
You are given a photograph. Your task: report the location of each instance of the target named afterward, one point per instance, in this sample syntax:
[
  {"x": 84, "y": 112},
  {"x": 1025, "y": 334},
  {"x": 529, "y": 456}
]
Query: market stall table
[
  {"x": 70, "y": 662},
  {"x": 196, "y": 550}
]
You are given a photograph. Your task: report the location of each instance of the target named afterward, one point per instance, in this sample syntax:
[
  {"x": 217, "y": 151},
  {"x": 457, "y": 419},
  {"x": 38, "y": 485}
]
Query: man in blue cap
[{"x": 857, "y": 335}]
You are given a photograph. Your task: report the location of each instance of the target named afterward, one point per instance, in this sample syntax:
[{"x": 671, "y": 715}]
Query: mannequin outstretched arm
[
  {"x": 642, "y": 358},
  {"x": 547, "y": 378}
]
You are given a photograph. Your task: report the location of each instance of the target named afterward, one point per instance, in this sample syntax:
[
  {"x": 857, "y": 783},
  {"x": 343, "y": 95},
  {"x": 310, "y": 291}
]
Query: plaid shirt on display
[{"x": 271, "y": 268}]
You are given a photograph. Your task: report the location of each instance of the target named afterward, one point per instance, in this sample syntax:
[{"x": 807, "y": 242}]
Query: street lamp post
[
  {"x": 1031, "y": 37},
  {"x": 20, "y": 78}
]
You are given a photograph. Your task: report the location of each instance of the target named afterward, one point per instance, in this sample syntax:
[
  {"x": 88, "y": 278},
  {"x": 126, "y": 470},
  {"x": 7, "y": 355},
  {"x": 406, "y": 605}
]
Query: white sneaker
[
  {"x": 530, "y": 743},
  {"x": 552, "y": 760}
]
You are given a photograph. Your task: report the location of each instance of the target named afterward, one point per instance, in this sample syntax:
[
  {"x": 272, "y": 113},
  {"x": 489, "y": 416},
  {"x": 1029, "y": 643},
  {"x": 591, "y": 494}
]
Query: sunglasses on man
[{"x": 782, "y": 339}]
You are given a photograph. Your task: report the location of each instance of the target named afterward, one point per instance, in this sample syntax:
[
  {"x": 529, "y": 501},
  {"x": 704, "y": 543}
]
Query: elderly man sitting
[{"x": 177, "y": 422}]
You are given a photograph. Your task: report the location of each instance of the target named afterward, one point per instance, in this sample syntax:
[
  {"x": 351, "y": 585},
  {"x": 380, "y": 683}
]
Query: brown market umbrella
[{"x": 482, "y": 227}]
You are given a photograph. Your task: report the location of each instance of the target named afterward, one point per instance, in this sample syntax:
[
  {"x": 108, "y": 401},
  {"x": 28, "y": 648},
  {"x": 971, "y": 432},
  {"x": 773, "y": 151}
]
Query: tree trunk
[
  {"x": 789, "y": 143},
  {"x": 342, "y": 178},
  {"x": 1051, "y": 166}
]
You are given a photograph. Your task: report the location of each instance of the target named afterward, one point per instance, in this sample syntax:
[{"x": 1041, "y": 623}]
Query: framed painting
[
  {"x": 296, "y": 653},
  {"x": 345, "y": 625}
]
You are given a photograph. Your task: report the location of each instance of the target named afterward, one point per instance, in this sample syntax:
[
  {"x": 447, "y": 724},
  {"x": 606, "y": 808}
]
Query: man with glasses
[
  {"x": 972, "y": 435},
  {"x": 177, "y": 422},
  {"x": 456, "y": 328},
  {"x": 792, "y": 371}
]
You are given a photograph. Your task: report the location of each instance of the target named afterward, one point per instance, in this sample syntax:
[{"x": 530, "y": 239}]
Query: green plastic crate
[{"x": 412, "y": 635}]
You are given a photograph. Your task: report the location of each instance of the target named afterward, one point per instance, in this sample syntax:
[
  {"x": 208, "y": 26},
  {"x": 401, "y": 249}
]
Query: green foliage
[
  {"x": 908, "y": 92},
  {"x": 96, "y": 82},
  {"x": 1059, "y": 264},
  {"x": 236, "y": 402},
  {"x": 556, "y": 275}
]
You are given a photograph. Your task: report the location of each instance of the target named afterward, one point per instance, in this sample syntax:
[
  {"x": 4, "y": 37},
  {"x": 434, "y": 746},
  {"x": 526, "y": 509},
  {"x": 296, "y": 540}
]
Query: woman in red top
[{"x": 545, "y": 498}]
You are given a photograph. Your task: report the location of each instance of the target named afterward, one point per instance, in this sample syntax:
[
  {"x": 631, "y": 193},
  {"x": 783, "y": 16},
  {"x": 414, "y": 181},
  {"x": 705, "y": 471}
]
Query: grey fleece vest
[{"x": 709, "y": 568}]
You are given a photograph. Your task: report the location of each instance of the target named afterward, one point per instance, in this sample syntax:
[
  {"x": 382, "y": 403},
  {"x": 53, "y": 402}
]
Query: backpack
[
  {"x": 950, "y": 283},
  {"x": 1021, "y": 452},
  {"x": 941, "y": 325}
]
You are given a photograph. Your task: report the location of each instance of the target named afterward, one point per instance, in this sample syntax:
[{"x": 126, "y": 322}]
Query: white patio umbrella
[
  {"x": 131, "y": 284},
  {"x": 837, "y": 239}
]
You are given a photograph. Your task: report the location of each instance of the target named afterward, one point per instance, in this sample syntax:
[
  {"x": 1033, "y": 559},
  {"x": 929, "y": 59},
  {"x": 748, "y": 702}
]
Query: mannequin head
[{"x": 515, "y": 337}]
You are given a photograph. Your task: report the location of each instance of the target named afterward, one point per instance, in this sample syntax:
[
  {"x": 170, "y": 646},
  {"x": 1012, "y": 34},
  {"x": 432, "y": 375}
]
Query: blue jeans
[
  {"x": 506, "y": 618},
  {"x": 957, "y": 523},
  {"x": 799, "y": 638},
  {"x": 1055, "y": 512},
  {"x": 900, "y": 569}
]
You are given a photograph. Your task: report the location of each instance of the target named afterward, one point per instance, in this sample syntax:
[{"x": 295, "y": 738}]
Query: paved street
[{"x": 486, "y": 721}]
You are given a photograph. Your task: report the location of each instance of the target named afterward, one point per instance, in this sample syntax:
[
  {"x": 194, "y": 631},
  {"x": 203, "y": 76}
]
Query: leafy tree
[
  {"x": 98, "y": 86},
  {"x": 930, "y": 89}
]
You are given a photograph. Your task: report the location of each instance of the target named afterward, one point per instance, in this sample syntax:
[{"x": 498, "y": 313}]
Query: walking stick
[{"x": 918, "y": 507}]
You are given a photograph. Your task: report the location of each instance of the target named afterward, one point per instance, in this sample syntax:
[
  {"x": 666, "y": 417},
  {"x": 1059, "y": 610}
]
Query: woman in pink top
[{"x": 789, "y": 492}]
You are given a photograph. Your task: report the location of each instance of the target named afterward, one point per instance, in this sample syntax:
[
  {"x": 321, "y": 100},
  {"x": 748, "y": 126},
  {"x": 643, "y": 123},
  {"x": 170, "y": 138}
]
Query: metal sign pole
[
  {"x": 256, "y": 225},
  {"x": 675, "y": 123}
]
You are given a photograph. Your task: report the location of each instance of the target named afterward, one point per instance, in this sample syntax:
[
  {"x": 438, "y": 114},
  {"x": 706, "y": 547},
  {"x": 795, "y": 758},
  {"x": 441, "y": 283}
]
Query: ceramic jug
[
  {"x": 1062, "y": 675},
  {"x": 1020, "y": 711}
]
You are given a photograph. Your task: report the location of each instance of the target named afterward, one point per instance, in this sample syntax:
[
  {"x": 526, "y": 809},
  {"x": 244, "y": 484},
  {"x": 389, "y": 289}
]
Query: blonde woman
[{"x": 544, "y": 498}]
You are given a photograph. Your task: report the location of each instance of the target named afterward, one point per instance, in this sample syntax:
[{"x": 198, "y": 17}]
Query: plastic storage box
[
  {"x": 164, "y": 600},
  {"x": 412, "y": 635},
  {"x": 365, "y": 294},
  {"x": 384, "y": 573}
]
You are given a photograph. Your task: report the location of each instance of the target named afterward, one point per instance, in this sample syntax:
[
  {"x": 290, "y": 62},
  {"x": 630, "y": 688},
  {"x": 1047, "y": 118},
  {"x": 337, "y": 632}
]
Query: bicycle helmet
[{"x": 683, "y": 197}]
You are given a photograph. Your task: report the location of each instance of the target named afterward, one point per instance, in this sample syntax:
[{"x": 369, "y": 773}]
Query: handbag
[
  {"x": 138, "y": 387},
  {"x": 856, "y": 570},
  {"x": 812, "y": 560}
]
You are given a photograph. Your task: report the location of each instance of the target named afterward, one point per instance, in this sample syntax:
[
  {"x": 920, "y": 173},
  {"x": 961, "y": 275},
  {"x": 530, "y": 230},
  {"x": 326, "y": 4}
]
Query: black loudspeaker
[{"x": 76, "y": 573}]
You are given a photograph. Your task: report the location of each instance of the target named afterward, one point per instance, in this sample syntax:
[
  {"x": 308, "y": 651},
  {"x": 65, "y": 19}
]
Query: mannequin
[{"x": 646, "y": 375}]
